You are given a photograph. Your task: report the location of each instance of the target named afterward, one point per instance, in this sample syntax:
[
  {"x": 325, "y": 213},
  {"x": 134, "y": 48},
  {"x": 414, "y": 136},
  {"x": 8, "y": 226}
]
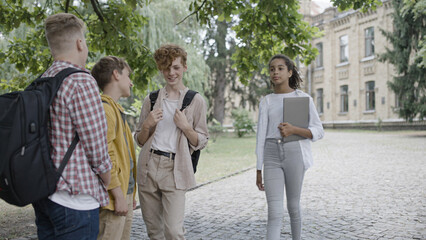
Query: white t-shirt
[
  {"x": 165, "y": 137},
  {"x": 82, "y": 202},
  {"x": 271, "y": 115}
]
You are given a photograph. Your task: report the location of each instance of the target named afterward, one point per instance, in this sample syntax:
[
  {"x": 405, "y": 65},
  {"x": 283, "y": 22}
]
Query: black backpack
[
  {"x": 27, "y": 172},
  {"x": 186, "y": 101}
]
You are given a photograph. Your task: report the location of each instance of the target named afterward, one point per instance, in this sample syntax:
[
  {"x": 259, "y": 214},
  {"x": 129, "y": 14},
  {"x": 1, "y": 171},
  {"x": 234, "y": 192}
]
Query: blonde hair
[
  {"x": 166, "y": 54},
  {"x": 61, "y": 29},
  {"x": 102, "y": 71}
]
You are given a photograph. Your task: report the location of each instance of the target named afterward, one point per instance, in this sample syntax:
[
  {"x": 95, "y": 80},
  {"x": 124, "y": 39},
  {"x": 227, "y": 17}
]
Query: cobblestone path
[{"x": 363, "y": 185}]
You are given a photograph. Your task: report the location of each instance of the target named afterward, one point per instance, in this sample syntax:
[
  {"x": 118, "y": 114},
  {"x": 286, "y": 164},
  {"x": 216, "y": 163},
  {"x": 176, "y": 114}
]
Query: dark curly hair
[
  {"x": 166, "y": 54},
  {"x": 295, "y": 79}
]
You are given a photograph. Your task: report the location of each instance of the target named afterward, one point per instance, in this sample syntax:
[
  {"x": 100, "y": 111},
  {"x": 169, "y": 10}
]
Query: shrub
[
  {"x": 243, "y": 124},
  {"x": 215, "y": 129}
]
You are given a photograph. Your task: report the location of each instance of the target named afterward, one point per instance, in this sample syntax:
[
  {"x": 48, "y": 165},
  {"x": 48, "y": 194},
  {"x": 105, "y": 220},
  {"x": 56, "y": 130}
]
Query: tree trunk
[
  {"x": 219, "y": 96},
  {"x": 220, "y": 69}
]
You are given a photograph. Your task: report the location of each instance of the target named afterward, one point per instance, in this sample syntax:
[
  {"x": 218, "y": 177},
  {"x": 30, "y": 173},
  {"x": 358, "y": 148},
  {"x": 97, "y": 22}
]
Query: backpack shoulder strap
[
  {"x": 68, "y": 154},
  {"x": 54, "y": 83},
  {"x": 188, "y": 98},
  {"x": 68, "y": 71},
  {"x": 153, "y": 97},
  {"x": 59, "y": 77}
]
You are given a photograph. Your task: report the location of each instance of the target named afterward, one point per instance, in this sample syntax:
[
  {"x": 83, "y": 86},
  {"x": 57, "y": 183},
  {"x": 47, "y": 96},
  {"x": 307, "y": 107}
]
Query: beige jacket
[{"x": 196, "y": 114}]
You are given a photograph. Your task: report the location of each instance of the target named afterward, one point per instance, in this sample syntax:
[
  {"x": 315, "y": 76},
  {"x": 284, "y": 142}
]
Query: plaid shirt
[{"x": 77, "y": 107}]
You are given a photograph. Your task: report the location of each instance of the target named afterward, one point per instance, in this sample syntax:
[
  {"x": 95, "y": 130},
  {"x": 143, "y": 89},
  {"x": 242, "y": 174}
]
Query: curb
[{"x": 221, "y": 178}]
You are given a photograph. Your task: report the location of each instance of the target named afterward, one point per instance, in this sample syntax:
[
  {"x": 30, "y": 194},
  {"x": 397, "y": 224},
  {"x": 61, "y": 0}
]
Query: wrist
[
  {"x": 187, "y": 129},
  {"x": 145, "y": 126}
]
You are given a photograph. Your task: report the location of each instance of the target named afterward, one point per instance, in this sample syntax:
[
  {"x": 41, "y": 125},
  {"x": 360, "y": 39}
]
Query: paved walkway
[{"x": 362, "y": 186}]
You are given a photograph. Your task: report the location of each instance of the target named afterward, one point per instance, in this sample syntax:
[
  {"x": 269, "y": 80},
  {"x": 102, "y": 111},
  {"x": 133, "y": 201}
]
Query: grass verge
[{"x": 226, "y": 155}]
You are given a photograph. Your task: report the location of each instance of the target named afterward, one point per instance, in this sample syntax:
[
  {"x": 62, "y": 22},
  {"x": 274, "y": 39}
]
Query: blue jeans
[{"x": 61, "y": 223}]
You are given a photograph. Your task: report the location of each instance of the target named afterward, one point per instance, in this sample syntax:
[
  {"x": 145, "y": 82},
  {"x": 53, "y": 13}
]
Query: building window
[
  {"x": 318, "y": 61},
  {"x": 320, "y": 101},
  {"x": 344, "y": 50},
  {"x": 397, "y": 101},
  {"x": 369, "y": 41},
  {"x": 344, "y": 99},
  {"x": 369, "y": 96}
]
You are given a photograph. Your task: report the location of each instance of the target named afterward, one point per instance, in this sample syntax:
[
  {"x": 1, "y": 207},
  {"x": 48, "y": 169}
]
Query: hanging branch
[
  {"x": 95, "y": 5},
  {"x": 194, "y": 12},
  {"x": 67, "y": 3}
]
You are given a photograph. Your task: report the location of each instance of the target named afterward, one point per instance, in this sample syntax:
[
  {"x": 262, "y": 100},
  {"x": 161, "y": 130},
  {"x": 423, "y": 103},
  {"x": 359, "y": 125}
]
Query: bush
[
  {"x": 215, "y": 128},
  {"x": 243, "y": 124}
]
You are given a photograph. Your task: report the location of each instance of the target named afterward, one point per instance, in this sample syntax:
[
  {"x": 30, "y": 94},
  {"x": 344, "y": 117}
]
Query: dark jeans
[{"x": 58, "y": 222}]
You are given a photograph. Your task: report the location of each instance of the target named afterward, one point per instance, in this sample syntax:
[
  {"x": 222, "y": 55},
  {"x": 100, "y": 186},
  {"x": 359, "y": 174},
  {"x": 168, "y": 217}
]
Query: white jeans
[{"x": 283, "y": 166}]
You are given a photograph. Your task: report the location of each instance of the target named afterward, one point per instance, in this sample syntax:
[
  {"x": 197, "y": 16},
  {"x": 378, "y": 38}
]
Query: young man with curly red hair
[{"x": 168, "y": 136}]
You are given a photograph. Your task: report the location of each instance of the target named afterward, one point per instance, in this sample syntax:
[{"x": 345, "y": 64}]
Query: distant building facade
[{"x": 347, "y": 82}]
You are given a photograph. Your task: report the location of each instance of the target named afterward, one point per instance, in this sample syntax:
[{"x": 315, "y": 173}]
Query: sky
[{"x": 323, "y": 3}]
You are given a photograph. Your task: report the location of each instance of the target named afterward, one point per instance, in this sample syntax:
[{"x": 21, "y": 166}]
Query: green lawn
[{"x": 226, "y": 155}]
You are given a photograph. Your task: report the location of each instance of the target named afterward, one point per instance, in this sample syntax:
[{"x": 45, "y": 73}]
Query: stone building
[{"x": 347, "y": 82}]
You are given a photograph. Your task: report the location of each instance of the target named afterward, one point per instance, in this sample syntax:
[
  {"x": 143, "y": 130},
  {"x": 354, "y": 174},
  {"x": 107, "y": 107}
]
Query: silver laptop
[{"x": 296, "y": 112}]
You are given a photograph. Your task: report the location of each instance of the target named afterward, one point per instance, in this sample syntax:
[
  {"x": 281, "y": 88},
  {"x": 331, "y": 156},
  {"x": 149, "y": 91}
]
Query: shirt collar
[{"x": 69, "y": 64}]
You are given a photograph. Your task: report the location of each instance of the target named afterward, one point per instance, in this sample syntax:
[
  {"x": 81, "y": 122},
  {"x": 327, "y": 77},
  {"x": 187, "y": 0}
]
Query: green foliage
[
  {"x": 162, "y": 28},
  {"x": 407, "y": 39},
  {"x": 219, "y": 45},
  {"x": 259, "y": 85},
  {"x": 379, "y": 124},
  {"x": 263, "y": 29},
  {"x": 363, "y": 5},
  {"x": 243, "y": 124},
  {"x": 135, "y": 109},
  {"x": 133, "y": 29},
  {"x": 113, "y": 29},
  {"x": 215, "y": 129},
  {"x": 418, "y": 10}
]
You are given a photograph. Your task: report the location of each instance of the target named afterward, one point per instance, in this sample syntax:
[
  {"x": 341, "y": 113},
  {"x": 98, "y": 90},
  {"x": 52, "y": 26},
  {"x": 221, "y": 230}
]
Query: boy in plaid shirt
[{"x": 72, "y": 212}]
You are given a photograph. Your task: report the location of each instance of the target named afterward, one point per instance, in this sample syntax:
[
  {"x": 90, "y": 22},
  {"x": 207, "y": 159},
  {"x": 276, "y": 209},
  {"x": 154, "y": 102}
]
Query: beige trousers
[
  {"x": 162, "y": 205},
  {"x": 113, "y": 227}
]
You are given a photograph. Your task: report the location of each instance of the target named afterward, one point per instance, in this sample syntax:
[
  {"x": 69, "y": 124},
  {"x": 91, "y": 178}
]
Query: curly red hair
[{"x": 166, "y": 54}]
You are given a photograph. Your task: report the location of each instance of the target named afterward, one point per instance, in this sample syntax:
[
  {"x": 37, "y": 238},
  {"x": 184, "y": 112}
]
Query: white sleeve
[
  {"x": 262, "y": 126},
  {"x": 315, "y": 124}
]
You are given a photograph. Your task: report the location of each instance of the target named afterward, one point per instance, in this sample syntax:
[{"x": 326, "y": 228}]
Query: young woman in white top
[{"x": 284, "y": 163}]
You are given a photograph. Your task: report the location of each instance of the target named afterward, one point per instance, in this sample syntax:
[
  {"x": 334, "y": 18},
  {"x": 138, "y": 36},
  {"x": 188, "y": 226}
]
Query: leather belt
[{"x": 166, "y": 154}]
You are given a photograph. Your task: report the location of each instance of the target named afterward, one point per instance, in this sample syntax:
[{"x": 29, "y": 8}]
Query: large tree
[
  {"x": 258, "y": 30},
  {"x": 262, "y": 29},
  {"x": 408, "y": 44},
  {"x": 266, "y": 27},
  {"x": 218, "y": 48},
  {"x": 128, "y": 29}
]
